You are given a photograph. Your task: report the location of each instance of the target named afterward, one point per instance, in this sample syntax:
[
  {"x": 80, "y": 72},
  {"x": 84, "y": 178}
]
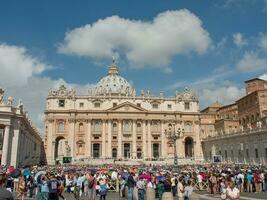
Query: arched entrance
[
  {"x": 189, "y": 147},
  {"x": 60, "y": 148},
  {"x": 114, "y": 153},
  {"x": 96, "y": 150},
  {"x": 139, "y": 153},
  {"x": 126, "y": 150}
]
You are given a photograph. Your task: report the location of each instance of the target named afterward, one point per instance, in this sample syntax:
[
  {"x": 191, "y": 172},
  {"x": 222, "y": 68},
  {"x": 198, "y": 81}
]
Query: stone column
[
  {"x": 134, "y": 140},
  {"x": 198, "y": 153},
  {"x": 104, "y": 139},
  {"x": 53, "y": 150},
  {"x": 144, "y": 140},
  {"x": 72, "y": 137},
  {"x": 5, "y": 146},
  {"x": 15, "y": 147},
  {"x": 109, "y": 138},
  {"x": 48, "y": 143},
  {"x": 119, "y": 140},
  {"x": 163, "y": 140},
  {"x": 149, "y": 139},
  {"x": 88, "y": 143}
]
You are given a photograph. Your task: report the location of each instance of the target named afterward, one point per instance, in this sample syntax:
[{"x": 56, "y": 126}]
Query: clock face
[{"x": 186, "y": 95}]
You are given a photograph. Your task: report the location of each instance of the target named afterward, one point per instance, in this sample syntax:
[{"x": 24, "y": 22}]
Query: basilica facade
[{"x": 112, "y": 121}]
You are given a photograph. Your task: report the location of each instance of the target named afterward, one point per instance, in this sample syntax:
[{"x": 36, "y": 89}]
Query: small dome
[{"x": 113, "y": 84}]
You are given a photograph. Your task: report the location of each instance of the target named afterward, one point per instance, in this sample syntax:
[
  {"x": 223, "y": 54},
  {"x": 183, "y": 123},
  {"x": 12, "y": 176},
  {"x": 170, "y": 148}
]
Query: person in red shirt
[
  {"x": 256, "y": 179},
  {"x": 61, "y": 191}
]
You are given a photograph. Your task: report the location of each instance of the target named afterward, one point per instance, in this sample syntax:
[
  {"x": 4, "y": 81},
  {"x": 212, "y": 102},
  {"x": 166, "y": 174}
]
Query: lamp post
[{"x": 174, "y": 134}]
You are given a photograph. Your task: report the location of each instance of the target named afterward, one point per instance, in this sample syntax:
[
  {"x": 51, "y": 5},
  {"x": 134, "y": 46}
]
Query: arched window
[
  {"x": 155, "y": 126},
  {"x": 127, "y": 126},
  {"x": 139, "y": 127},
  {"x": 81, "y": 127},
  {"x": 80, "y": 147},
  {"x": 114, "y": 153},
  {"x": 97, "y": 125},
  {"x": 114, "y": 127},
  {"x": 60, "y": 127},
  {"x": 188, "y": 127}
]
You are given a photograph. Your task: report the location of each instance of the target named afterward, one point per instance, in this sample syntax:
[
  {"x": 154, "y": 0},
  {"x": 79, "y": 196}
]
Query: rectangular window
[
  {"x": 247, "y": 153},
  {"x": 186, "y": 106},
  {"x": 61, "y": 103},
  {"x": 97, "y": 105},
  {"x": 265, "y": 152},
  {"x": 256, "y": 153},
  {"x": 155, "y": 105},
  {"x": 139, "y": 138},
  {"x": 114, "y": 137},
  {"x": 81, "y": 105},
  {"x": 225, "y": 153},
  {"x": 169, "y": 106}
]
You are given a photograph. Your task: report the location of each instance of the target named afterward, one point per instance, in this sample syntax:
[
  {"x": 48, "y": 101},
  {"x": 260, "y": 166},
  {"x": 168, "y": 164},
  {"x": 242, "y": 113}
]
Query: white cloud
[
  {"x": 263, "y": 76},
  {"x": 151, "y": 43},
  {"x": 224, "y": 94},
  {"x": 239, "y": 40},
  {"x": 16, "y": 65},
  {"x": 251, "y": 62},
  {"x": 19, "y": 78},
  {"x": 263, "y": 41}
]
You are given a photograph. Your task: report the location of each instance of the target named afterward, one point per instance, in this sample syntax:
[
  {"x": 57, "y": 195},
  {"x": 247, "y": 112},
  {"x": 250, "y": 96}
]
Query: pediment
[{"x": 127, "y": 107}]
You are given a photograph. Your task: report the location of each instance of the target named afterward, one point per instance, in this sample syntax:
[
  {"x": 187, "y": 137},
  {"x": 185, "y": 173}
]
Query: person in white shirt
[
  {"x": 199, "y": 180},
  {"x": 232, "y": 192}
]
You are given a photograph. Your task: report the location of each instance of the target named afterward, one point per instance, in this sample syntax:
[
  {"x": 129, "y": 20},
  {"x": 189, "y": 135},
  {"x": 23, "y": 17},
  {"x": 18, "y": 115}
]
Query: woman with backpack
[
  {"x": 103, "y": 189},
  {"x": 44, "y": 191}
]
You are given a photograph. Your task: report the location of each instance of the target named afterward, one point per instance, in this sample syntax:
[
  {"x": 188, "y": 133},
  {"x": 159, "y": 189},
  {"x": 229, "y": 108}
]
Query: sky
[{"x": 210, "y": 46}]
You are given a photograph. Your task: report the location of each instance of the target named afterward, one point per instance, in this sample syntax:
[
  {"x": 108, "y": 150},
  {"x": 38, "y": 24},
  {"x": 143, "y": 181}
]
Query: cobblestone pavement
[{"x": 201, "y": 196}]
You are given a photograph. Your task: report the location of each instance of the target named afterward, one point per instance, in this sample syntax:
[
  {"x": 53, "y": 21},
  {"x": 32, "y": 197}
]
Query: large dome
[{"x": 113, "y": 84}]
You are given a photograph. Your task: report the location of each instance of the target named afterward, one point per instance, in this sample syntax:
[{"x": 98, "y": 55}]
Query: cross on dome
[{"x": 113, "y": 69}]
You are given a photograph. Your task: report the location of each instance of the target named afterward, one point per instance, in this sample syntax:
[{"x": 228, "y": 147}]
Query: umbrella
[
  {"x": 160, "y": 178},
  {"x": 103, "y": 171},
  {"x": 39, "y": 174},
  {"x": 26, "y": 172},
  {"x": 15, "y": 173},
  {"x": 145, "y": 176}
]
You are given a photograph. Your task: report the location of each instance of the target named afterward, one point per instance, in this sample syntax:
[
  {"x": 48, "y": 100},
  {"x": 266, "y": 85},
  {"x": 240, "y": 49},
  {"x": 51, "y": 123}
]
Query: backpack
[
  {"x": 54, "y": 185},
  {"x": 167, "y": 183},
  {"x": 91, "y": 183}
]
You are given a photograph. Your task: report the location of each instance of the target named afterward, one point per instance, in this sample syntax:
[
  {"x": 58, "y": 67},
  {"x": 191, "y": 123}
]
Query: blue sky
[{"x": 211, "y": 46}]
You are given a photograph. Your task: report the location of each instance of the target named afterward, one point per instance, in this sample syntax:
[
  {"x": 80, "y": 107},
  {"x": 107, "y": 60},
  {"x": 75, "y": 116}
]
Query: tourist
[
  {"x": 4, "y": 193},
  {"x": 22, "y": 187},
  {"x": 213, "y": 184},
  {"x": 130, "y": 185},
  {"x": 140, "y": 185},
  {"x": 91, "y": 186},
  {"x": 188, "y": 190},
  {"x": 159, "y": 189},
  {"x": 53, "y": 186},
  {"x": 232, "y": 192},
  {"x": 122, "y": 186},
  {"x": 180, "y": 188},
  {"x": 44, "y": 189},
  {"x": 249, "y": 178},
  {"x": 150, "y": 189},
  {"x": 61, "y": 189},
  {"x": 103, "y": 189}
]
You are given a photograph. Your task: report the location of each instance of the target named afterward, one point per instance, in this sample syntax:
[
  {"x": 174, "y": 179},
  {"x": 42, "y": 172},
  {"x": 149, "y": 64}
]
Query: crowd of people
[{"x": 135, "y": 182}]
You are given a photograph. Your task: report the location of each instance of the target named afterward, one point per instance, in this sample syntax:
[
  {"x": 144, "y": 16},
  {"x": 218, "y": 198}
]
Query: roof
[
  {"x": 216, "y": 105},
  {"x": 254, "y": 79}
]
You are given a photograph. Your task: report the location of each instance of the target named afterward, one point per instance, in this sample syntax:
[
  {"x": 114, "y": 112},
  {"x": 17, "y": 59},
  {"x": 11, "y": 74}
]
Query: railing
[{"x": 233, "y": 134}]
